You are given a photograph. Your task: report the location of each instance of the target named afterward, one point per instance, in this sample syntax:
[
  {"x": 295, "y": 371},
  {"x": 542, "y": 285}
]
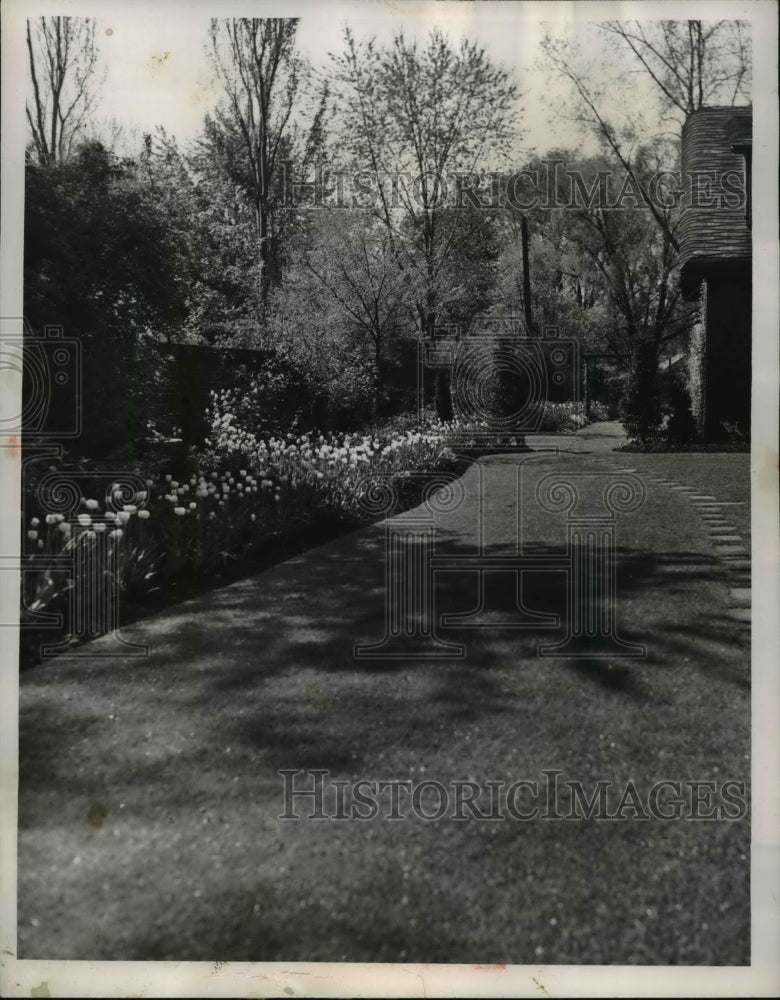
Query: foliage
[
  {"x": 640, "y": 407},
  {"x": 306, "y": 324},
  {"x": 85, "y": 221},
  {"x": 568, "y": 417},
  {"x": 267, "y": 402},
  {"x": 683, "y": 66},
  {"x": 695, "y": 372},
  {"x": 353, "y": 261},
  {"x": 602, "y": 271},
  {"x": 681, "y": 423},
  {"x": 692, "y": 64}
]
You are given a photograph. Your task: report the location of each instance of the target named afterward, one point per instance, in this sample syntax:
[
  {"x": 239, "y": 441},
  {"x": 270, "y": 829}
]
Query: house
[{"x": 715, "y": 259}]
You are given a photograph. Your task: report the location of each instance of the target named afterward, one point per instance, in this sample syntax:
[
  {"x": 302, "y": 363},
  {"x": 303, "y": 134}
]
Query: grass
[
  {"x": 686, "y": 447},
  {"x": 149, "y": 792}
]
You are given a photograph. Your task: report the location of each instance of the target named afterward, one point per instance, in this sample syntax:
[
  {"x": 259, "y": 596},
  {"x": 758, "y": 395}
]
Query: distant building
[{"x": 715, "y": 257}]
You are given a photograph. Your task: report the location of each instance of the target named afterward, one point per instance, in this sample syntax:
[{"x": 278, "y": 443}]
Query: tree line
[{"x": 129, "y": 248}]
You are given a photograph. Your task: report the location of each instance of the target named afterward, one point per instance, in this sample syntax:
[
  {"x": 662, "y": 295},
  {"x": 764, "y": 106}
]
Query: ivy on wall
[{"x": 695, "y": 363}]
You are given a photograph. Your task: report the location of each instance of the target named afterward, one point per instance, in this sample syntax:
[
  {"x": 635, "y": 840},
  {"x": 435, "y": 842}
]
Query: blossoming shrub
[
  {"x": 268, "y": 402},
  {"x": 568, "y": 417}
]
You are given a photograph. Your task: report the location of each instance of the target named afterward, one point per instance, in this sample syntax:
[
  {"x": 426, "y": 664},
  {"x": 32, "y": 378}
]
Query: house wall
[{"x": 727, "y": 366}]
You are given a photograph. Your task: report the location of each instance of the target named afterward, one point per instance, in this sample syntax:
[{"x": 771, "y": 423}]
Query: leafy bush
[
  {"x": 681, "y": 425},
  {"x": 640, "y": 408},
  {"x": 601, "y": 411},
  {"x": 85, "y": 220}
]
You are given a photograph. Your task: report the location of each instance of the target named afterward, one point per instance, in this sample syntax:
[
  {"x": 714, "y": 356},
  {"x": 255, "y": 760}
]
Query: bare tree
[
  {"x": 693, "y": 64},
  {"x": 256, "y": 61},
  {"x": 62, "y": 57}
]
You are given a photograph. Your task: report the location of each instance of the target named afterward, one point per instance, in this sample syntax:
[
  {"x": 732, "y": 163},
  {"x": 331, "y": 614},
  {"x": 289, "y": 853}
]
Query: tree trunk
[
  {"x": 444, "y": 409},
  {"x": 377, "y": 381},
  {"x": 262, "y": 231}
]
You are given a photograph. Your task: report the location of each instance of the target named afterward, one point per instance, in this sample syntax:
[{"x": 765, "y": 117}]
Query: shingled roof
[{"x": 713, "y": 228}]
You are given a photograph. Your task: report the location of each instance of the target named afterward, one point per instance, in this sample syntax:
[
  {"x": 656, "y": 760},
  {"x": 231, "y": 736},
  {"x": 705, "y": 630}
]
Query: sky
[
  {"x": 158, "y": 72},
  {"x": 155, "y": 69}
]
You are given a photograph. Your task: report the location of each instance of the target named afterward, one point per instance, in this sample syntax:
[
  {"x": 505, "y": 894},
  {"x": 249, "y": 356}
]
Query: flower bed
[
  {"x": 242, "y": 502},
  {"x": 246, "y": 501}
]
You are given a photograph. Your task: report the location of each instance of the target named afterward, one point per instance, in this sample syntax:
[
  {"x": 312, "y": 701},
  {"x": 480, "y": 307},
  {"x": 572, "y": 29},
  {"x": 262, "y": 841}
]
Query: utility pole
[{"x": 526, "y": 277}]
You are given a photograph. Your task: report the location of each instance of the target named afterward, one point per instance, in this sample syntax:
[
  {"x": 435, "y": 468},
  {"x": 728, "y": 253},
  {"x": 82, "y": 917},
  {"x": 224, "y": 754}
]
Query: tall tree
[
  {"x": 62, "y": 56},
  {"x": 255, "y": 59}
]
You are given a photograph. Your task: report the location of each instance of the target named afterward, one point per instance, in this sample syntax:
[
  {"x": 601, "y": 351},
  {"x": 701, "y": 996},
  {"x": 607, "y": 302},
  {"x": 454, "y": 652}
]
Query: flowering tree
[
  {"x": 352, "y": 260},
  {"x": 428, "y": 111}
]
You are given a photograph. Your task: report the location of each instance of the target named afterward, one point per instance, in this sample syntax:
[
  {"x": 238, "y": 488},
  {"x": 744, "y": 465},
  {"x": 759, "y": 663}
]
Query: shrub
[
  {"x": 563, "y": 417},
  {"x": 681, "y": 425},
  {"x": 641, "y": 405},
  {"x": 600, "y": 411}
]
